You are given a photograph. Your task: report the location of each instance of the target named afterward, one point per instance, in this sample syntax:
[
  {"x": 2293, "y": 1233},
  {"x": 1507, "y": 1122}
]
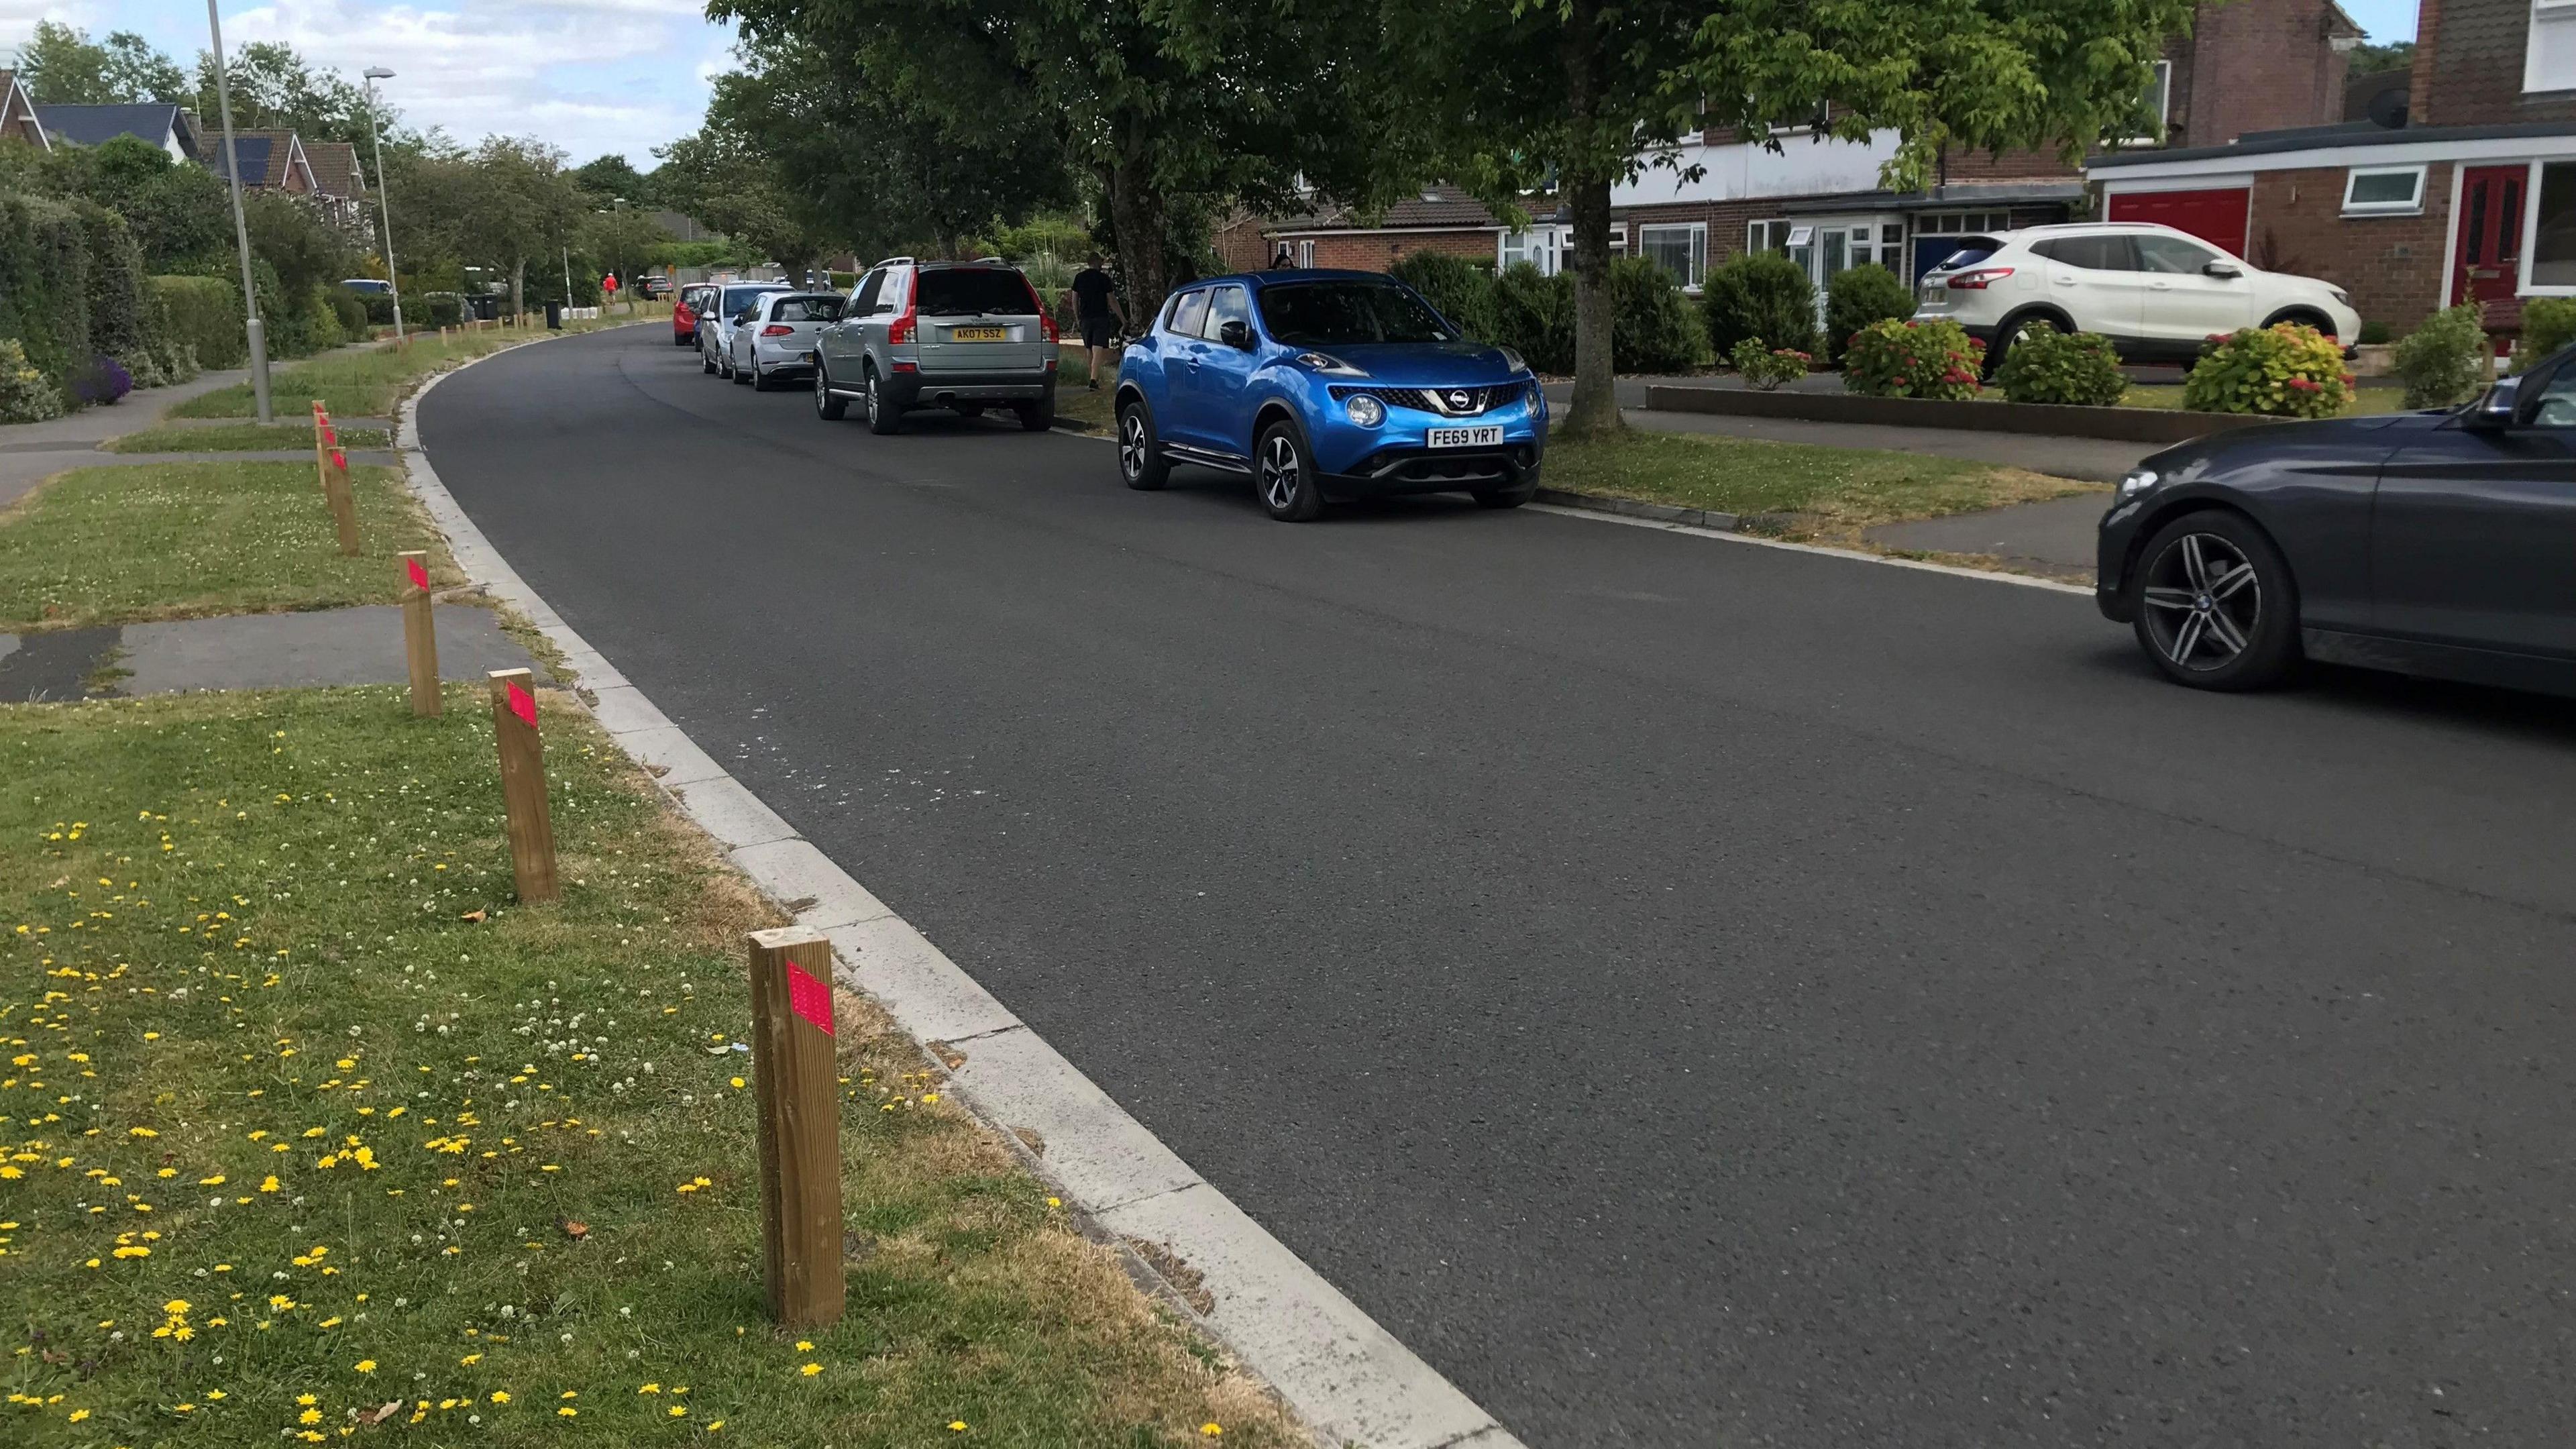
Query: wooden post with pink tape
[
  {"x": 523, "y": 783},
  {"x": 420, "y": 634},
  {"x": 800, "y": 1126},
  {"x": 333, "y": 464}
]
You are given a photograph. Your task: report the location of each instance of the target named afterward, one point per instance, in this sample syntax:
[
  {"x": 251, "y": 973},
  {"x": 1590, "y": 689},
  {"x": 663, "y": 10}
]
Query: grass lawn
[
  {"x": 241, "y": 438},
  {"x": 1806, "y": 491},
  {"x": 366, "y": 384},
  {"x": 1077, "y": 404},
  {"x": 175, "y": 540},
  {"x": 313, "y": 1133}
]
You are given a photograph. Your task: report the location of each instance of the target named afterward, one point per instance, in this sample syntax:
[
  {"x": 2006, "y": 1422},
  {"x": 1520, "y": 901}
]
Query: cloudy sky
[{"x": 592, "y": 76}]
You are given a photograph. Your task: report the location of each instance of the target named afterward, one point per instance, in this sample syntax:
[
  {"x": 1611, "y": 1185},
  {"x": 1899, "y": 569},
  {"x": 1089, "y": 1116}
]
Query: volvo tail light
[
  {"x": 902, "y": 327},
  {"x": 1980, "y": 279}
]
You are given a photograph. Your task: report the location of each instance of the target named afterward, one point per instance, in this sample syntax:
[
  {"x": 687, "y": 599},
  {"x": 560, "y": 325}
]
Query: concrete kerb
[{"x": 1348, "y": 1379}]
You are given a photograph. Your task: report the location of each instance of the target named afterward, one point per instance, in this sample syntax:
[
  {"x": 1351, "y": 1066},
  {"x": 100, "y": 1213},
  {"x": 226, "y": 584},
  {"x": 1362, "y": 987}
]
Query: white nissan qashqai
[{"x": 2157, "y": 293}]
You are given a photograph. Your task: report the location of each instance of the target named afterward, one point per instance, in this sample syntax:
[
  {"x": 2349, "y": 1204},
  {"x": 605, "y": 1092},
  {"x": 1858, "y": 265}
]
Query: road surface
[{"x": 1691, "y": 992}]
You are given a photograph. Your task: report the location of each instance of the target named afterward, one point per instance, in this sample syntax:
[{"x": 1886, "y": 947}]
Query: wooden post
[
  {"x": 420, "y": 635},
  {"x": 800, "y": 1125},
  {"x": 523, "y": 783}
]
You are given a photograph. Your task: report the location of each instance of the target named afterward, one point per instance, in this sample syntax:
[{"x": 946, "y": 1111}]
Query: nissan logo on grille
[{"x": 1460, "y": 400}]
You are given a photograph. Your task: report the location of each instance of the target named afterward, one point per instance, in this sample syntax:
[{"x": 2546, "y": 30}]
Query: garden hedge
[
  {"x": 44, "y": 285},
  {"x": 205, "y": 315}
]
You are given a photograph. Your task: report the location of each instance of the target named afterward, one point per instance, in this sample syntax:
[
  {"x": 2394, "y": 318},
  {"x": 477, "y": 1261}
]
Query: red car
[{"x": 684, "y": 314}]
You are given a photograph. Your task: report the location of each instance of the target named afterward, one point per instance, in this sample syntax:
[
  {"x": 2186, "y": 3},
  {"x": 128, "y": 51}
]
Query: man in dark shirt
[{"x": 1097, "y": 312}]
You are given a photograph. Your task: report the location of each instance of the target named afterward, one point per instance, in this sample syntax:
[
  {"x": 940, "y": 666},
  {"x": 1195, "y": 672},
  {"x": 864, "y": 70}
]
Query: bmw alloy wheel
[{"x": 2204, "y": 602}]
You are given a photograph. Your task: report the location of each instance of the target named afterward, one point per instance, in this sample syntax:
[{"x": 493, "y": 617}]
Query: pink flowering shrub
[
  {"x": 2283, "y": 371},
  {"x": 1904, "y": 358}
]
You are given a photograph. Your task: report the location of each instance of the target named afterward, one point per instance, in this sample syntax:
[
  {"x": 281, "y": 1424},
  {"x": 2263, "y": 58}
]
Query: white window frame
[
  {"x": 1757, "y": 234},
  {"x": 2411, "y": 207},
  {"x": 1697, "y": 248},
  {"x": 2523, "y": 285},
  {"x": 2164, "y": 106},
  {"x": 1305, "y": 250},
  {"x": 2553, "y": 13},
  {"x": 1557, "y": 243}
]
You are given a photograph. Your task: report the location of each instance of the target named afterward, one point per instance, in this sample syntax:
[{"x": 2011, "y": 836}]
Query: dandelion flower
[
  {"x": 500, "y": 1396},
  {"x": 811, "y": 1369},
  {"x": 366, "y": 1365}
]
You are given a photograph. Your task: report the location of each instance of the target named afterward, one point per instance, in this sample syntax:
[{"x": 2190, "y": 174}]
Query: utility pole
[
  {"x": 258, "y": 334},
  {"x": 384, "y": 201}
]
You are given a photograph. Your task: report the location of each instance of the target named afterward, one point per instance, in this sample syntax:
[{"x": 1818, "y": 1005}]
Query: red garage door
[{"x": 2217, "y": 216}]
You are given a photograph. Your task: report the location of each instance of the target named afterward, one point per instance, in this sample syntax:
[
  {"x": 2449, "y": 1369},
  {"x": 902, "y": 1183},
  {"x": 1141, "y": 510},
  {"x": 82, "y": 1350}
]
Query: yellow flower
[
  {"x": 366, "y": 1365},
  {"x": 309, "y": 1416},
  {"x": 649, "y": 1389},
  {"x": 500, "y": 1396},
  {"x": 471, "y": 1359},
  {"x": 737, "y": 1081},
  {"x": 676, "y": 1410},
  {"x": 79, "y": 1414},
  {"x": 567, "y": 1412},
  {"x": 804, "y": 1345},
  {"x": 956, "y": 1426},
  {"x": 1211, "y": 1429},
  {"x": 304, "y": 1399},
  {"x": 811, "y": 1369},
  {"x": 175, "y": 1305}
]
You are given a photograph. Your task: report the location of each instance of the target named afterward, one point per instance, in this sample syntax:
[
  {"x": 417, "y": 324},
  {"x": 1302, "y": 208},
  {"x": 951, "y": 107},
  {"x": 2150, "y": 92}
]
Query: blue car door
[
  {"x": 1229, "y": 347},
  {"x": 1181, "y": 347}
]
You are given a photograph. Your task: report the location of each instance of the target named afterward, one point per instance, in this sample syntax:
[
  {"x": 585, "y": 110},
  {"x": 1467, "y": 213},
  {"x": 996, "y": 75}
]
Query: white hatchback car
[
  {"x": 776, "y": 338},
  {"x": 2157, "y": 293}
]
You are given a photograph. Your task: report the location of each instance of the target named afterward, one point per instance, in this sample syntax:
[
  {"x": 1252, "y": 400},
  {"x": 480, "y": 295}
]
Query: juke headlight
[{"x": 1366, "y": 411}]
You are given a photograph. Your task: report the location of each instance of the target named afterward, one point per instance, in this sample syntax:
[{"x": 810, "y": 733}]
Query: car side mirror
[
  {"x": 2495, "y": 409},
  {"x": 2223, "y": 270},
  {"x": 1236, "y": 333}
]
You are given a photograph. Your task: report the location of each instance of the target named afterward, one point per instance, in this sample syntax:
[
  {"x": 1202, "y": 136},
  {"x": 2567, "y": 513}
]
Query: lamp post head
[{"x": 377, "y": 72}]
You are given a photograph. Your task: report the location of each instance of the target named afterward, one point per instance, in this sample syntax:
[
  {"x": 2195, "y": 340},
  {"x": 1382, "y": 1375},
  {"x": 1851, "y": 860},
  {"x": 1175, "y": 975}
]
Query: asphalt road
[{"x": 1691, "y": 992}]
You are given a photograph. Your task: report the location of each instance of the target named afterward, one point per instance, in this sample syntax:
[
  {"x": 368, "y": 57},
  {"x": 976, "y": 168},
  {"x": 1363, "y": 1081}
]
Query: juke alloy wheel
[
  {"x": 1138, "y": 462},
  {"x": 2213, "y": 603},
  {"x": 1285, "y": 476}
]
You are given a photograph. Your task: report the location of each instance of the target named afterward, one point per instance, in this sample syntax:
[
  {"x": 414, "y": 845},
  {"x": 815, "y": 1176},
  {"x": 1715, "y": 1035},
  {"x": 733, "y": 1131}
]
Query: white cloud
[
  {"x": 590, "y": 76},
  {"x": 18, "y": 20}
]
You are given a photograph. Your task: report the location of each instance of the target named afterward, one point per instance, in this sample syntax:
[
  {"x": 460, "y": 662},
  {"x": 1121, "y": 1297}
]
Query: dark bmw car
[{"x": 2430, "y": 543}]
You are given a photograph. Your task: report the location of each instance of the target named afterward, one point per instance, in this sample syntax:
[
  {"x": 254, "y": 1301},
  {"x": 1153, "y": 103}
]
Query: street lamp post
[
  {"x": 257, "y": 333},
  {"x": 384, "y": 201}
]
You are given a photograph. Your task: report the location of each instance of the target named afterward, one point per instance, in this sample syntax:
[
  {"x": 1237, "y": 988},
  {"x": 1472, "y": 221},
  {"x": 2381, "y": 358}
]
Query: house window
[
  {"x": 1619, "y": 241},
  {"x": 2384, "y": 191},
  {"x": 2549, "y": 57},
  {"x": 2553, "y": 242},
  {"x": 1305, "y": 253},
  {"x": 1960, "y": 223},
  {"x": 1680, "y": 250},
  {"x": 1767, "y": 236},
  {"x": 2155, "y": 106}
]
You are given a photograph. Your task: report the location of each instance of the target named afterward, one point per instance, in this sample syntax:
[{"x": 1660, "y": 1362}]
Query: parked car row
[
  {"x": 2157, "y": 293},
  {"x": 1316, "y": 385}
]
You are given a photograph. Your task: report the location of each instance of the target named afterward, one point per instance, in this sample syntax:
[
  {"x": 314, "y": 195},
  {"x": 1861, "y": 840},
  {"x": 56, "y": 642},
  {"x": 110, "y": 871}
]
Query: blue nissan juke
[{"x": 1327, "y": 385}]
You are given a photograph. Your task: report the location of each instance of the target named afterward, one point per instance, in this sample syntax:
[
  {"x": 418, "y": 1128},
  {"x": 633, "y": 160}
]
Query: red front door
[{"x": 2490, "y": 233}]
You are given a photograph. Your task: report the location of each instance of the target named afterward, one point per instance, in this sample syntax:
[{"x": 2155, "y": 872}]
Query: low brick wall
[{"x": 2124, "y": 425}]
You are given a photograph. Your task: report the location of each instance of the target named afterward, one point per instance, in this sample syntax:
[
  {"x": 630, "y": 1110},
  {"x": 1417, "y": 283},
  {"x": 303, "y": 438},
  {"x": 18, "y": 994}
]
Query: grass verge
[
  {"x": 1794, "y": 490},
  {"x": 1076, "y": 405},
  {"x": 370, "y": 383},
  {"x": 241, "y": 438},
  {"x": 314, "y": 1134},
  {"x": 178, "y": 540}
]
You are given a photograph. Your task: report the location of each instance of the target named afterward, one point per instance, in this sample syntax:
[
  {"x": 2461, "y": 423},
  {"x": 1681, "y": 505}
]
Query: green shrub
[
  {"x": 2548, "y": 324},
  {"x": 44, "y": 285},
  {"x": 1858, "y": 296},
  {"x": 26, "y": 394},
  {"x": 1760, "y": 294},
  {"x": 2079, "y": 369},
  {"x": 205, "y": 317},
  {"x": 1461, "y": 290},
  {"x": 1534, "y": 316},
  {"x": 1653, "y": 328},
  {"x": 2283, "y": 371},
  {"x": 1765, "y": 368},
  {"x": 2444, "y": 362},
  {"x": 379, "y": 308},
  {"x": 445, "y": 310},
  {"x": 1893, "y": 358},
  {"x": 2374, "y": 334},
  {"x": 352, "y": 312}
]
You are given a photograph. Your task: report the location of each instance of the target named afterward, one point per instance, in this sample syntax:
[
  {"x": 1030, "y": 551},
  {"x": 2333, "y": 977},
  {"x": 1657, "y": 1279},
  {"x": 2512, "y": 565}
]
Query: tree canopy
[{"x": 62, "y": 66}]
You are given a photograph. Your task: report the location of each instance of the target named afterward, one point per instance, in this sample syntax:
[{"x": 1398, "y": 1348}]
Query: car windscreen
[
  {"x": 1967, "y": 252},
  {"x": 973, "y": 291},
  {"x": 1337, "y": 314},
  {"x": 737, "y": 298},
  {"x": 807, "y": 309}
]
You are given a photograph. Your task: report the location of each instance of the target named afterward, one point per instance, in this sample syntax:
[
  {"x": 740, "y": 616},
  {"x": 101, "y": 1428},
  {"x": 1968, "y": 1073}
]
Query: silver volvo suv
[{"x": 959, "y": 335}]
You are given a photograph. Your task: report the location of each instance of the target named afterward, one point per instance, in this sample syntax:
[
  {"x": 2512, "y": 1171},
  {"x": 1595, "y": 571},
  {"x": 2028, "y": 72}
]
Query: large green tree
[
  {"x": 1172, "y": 109},
  {"x": 503, "y": 207},
  {"x": 611, "y": 179},
  {"x": 61, "y": 65},
  {"x": 273, "y": 86},
  {"x": 1589, "y": 89},
  {"x": 717, "y": 177}
]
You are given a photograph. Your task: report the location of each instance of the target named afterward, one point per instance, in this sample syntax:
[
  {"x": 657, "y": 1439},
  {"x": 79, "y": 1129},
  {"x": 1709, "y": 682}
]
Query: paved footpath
[
  {"x": 361, "y": 645},
  {"x": 1691, "y": 992}
]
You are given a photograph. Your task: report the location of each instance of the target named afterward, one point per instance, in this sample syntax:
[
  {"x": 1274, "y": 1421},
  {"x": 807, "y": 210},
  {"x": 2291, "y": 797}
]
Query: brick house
[
  {"x": 2471, "y": 197},
  {"x": 270, "y": 161},
  {"x": 2249, "y": 65},
  {"x": 18, "y": 113},
  {"x": 339, "y": 183}
]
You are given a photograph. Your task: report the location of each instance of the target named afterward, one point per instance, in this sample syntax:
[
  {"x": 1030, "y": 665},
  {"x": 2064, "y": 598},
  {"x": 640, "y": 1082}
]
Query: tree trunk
[
  {"x": 1136, "y": 213},
  {"x": 519, "y": 285},
  {"x": 1594, "y": 411}
]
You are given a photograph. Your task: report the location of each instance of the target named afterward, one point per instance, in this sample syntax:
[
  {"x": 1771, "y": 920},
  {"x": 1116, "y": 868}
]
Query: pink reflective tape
[
  {"x": 339, "y": 460},
  {"x": 419, "y": 575},
  {"x": 523, "y": 704},
  {"x": 809, "y": 998}
]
